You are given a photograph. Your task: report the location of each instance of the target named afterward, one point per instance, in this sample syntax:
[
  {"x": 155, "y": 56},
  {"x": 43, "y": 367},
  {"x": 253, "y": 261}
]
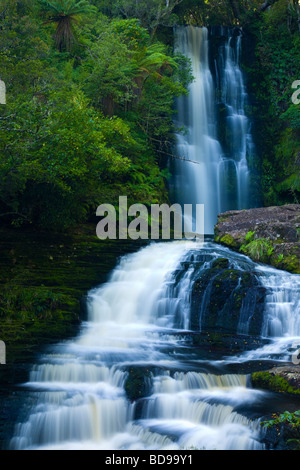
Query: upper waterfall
[{"x": 216, "y": 137}]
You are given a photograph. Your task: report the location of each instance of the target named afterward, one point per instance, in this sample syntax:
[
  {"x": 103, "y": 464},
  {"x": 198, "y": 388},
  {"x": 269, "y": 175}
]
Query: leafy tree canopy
[
  {"x": 84, "y": 119},
  {"x": 64, "y": 14}
]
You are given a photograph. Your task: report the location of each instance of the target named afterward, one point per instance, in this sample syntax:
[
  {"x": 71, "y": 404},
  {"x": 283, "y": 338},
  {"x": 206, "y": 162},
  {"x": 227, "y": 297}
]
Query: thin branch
[
  {"x": 4, "y": 11},
  {"x": 178, "y": 158},
  {"x": 14, "y": 213},
  {"x": 89, "y": 49},
  {"x": 16, "y": 130},
  {"x": 18, "y": 58},
  {"x": 7, "y": 117}
]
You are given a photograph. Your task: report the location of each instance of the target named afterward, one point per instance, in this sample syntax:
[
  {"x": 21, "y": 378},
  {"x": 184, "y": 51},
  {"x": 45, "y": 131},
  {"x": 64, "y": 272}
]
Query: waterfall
[
  {"x": 82, "y": 396},
  {"x": 282, "y": 304},
  {"x": 132, "y": 380},
  {"x": 217, "y": 135},
  {"x": 163, "y": 360}
]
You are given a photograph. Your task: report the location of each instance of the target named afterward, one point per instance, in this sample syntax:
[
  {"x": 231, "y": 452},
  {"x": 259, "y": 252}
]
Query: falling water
[
  {"x": 80, "y": 390},
  {"x": 132, "y": 381},
  {"x": 136, "y": 378},
  {"x": 217, "y": 136}
]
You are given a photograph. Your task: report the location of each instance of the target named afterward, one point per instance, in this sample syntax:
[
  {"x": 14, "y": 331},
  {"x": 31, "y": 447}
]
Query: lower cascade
[{"x": 142, "y": 374}]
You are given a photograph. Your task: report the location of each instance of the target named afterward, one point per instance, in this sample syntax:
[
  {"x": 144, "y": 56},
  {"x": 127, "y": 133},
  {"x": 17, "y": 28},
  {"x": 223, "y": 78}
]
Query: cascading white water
[
  {"x": 197, "y": 183},
  {"x": 282, "y": 315},
  {"x": 80, "y": 393},
  {"x": 239, "y": 139},
  {"x": 131, "y": 380},
  {"x": 282, "y": 304},
  {"x": 218, "y": 174},
  {"x": 81, "y": 387}
]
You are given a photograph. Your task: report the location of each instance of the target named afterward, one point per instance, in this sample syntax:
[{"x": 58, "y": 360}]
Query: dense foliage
[
  {"x": 88, "y": 114},
  {"x": 273, "y": 76},
  {"x": 90, "y": 93}
]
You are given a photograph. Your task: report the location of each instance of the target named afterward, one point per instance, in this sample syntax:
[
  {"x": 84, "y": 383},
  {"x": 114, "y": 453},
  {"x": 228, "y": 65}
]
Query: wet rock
[
  {"x": 225, "y": 299},
  {"x": 278, "y": 225},
  {"x": 284, "y": 379},
  {"x": 138, "y": 383}
]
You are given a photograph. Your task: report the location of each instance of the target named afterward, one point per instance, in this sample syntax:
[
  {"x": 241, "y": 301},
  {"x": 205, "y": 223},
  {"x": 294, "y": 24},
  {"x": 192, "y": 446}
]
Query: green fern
[
  {"x": 259, "y": 250},
  {"x": 65, "y": 13}
]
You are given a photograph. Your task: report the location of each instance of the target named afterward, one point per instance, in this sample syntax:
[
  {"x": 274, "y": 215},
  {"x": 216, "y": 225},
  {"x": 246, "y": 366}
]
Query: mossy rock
[
  {"x": 138, "y": 383},
  {"x": 276, "y": 241},
  {"x": 43, "y": 279},
  {"x": 279, "y": 380},
  {"x": 228, "y": 240},
  {"x": 221, "y": 263},
  {"x": 228, "y": 300}
]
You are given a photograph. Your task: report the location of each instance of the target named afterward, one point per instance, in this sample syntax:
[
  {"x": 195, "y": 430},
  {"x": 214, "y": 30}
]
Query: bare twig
[
  {"x": 178, "y": 158},
  {"x": 14, "y": 213}
]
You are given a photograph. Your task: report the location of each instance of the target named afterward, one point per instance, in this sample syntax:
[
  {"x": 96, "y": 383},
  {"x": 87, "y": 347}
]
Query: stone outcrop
[
  {"x": 276, "y": 228},
  {"x": 227, "y": 299},
  {"x": 285, "y": 379},
  {"x": 289, "y": 373}
]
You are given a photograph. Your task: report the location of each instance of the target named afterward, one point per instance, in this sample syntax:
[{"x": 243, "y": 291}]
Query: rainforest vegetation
[
  {"x": 90, "y": 87},
  {"x": 89, "y": 117}
]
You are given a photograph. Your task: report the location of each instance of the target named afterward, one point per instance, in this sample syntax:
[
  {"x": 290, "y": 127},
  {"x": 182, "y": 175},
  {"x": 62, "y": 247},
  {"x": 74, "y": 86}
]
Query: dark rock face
[
  {"x": 227, "y": 299},
  {"x": 280, "y": 225}
]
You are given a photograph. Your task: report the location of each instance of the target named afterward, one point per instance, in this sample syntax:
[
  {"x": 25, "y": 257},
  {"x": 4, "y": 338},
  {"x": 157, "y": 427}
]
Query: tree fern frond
[{"x": 65, "y": 13}]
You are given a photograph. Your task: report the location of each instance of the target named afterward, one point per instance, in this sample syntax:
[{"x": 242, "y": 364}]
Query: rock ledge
[{"x": 277, "y": 228}]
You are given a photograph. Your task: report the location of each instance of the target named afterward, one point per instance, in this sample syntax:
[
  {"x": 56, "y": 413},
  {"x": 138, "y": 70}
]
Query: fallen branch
[
  {"x": 14, "y": 213},
  {"x": 178, "y": 158}
]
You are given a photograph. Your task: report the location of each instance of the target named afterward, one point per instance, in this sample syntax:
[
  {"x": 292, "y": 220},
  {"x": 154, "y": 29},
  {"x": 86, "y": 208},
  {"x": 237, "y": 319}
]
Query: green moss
[
  {"x": 275, "y": 383},
  {"x": 220, "y": 263},
  {"x": 229, "y": 275},
  {"x": 246, "y": 279},
  {"x": 228, "y": 240},
  {"x": 222, "y": 218},
  {"x": 43, "y": 279},
  {"x": 138, "y": 383},
  {"x": 259, "y": 249},
  {"x": 288, "y": 262},
  {"x": 292, "y": 264}
]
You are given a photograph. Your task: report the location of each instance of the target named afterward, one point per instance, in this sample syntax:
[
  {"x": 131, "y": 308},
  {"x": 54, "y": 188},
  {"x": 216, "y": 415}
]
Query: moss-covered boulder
[
  {"x": 279, "y": 379},
  {"x": 275, "y": 234},
  {"x": 227, "y": 299},
  {"x": 282, "y": 429},
  {"x": 138, "y": 383}
]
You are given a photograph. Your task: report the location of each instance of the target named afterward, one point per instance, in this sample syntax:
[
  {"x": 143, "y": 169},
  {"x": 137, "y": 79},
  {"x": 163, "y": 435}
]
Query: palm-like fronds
[
  {"x": 65, "y": 13},
  {"x": 155, "y": 60},
  {"x": 66, "y": 7}
]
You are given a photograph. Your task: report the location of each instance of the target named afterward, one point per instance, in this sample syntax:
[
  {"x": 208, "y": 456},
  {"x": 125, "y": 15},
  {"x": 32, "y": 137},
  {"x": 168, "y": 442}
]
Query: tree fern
[{"x": 65, "y": 13}]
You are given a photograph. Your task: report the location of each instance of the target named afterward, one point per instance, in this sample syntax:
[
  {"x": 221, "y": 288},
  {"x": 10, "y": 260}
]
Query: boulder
[
  {"x": 227, "y": 299},
  {"x": 285, "y": 379},
  {"x": 277, "y": 226}
]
